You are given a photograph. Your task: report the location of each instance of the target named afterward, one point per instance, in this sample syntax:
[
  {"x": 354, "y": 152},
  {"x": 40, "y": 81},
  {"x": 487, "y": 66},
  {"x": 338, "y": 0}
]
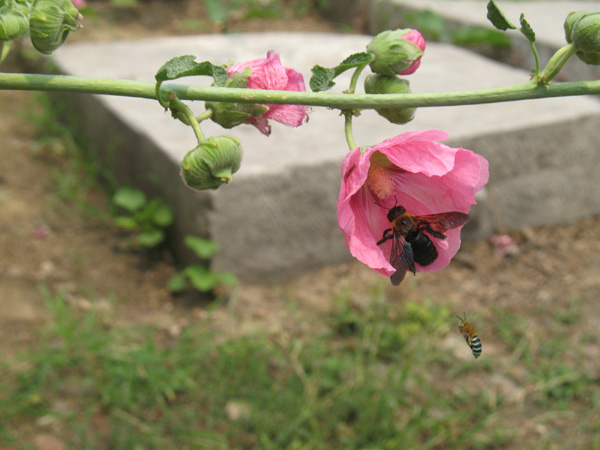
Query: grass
[{"x": 378, "y": 379}]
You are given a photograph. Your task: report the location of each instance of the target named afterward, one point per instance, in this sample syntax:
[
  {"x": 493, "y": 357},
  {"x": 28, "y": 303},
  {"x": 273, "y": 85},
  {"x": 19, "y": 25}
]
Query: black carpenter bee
[{"x": 410, "y": 244}]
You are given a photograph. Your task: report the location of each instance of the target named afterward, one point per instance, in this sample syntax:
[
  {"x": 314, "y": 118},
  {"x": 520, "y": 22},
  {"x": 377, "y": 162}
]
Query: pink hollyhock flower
[
  {"x": 269, "y": 73},
  {"x": 413, "y": 171},
  {"x": 414, "y": 37}
]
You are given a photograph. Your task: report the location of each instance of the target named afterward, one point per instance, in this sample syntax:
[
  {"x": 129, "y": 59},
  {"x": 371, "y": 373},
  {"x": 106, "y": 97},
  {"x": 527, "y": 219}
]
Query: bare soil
[{"x": 48, "y": 242}]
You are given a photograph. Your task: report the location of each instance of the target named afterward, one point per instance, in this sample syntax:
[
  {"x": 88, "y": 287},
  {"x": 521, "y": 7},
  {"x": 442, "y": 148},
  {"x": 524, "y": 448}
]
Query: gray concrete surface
[{"x": 278, "y": 217}]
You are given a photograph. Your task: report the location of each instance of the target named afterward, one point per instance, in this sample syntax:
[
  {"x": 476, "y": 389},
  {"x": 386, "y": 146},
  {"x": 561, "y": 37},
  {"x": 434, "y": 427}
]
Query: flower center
[{"x": 380, "y": 182}]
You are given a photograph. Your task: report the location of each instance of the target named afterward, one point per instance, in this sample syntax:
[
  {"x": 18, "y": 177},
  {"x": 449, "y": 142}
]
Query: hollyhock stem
[
  {"x": 556, "y": 63},
  {"x": 188, "y": 117},
  {"x": 354, "y": 79},
  {"x": 349, "y": 114},
  {"x": 143, "y": 89},
  {"x": 536, "y": 71},
  {"x": 348, "y": 129},
  {"x": 205, "y": 115}
]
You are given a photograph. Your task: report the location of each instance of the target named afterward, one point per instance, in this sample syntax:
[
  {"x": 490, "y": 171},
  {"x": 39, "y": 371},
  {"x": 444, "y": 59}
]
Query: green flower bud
[
  {"x": 13, "y": 20},
  {"x": 381, "y": 84},
  {"x": 50, "y": 22},
  {"x": 230, "y": 115},
  {"x": 212, "y": 163},
  {"x": 583, "y": 30},
  {"x": 396, "y": 52}
]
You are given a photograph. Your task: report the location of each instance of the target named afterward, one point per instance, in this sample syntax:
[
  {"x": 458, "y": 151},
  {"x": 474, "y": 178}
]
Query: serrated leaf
[
  {"x": 526, "y": 29},
  {"x": 203, "y": 248},
  {"x": 129, "y": 198},
  {"x": 497, "y": 17},
  {"x": 200, "y": 277},
  {"x": 322, "y": 78},
  {"x": 354, "y": 60},
  {"x": 186, "y": 66},
  {"x": 150, "y": 238}
]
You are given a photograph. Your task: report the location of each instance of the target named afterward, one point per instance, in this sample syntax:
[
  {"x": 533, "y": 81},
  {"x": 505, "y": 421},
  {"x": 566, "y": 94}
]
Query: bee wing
[
  {"x": 442, "y": 222},
  {"x": 401, "y": 259}
]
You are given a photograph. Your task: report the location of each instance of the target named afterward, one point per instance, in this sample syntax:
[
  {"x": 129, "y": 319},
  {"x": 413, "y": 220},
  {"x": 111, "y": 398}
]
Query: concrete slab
[
  {"x": 278, "y": 217},
  {"x": 545, "y": 17}
]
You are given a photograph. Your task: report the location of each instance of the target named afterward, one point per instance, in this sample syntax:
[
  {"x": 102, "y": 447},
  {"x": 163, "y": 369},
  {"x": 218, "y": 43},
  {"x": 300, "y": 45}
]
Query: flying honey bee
[
  {"x": 410, "y": 244},
  {"x": 470, "y": 334}
]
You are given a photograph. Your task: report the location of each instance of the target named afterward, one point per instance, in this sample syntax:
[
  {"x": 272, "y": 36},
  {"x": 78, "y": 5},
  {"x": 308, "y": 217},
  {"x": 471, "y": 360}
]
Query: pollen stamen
[{"x": 380, "y": 182}]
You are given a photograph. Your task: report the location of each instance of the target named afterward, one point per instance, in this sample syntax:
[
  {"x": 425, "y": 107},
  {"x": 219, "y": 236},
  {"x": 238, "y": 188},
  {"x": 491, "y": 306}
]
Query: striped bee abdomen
[{"x": 470, "y": 334}]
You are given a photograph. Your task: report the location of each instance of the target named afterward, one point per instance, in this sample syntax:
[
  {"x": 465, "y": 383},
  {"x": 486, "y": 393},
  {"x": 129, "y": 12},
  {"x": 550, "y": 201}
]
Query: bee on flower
[{"x": 425, "y": 178}]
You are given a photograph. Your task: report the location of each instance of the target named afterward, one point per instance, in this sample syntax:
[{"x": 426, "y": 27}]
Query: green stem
[
  {"x": 556, "y": 63},
  {"x": 348, "y": 128},
  {"x": 181, "y": 108},
  {"x": 141, "y": 89},
  {"x": 354, "y": 79},
  {"x": 349, "y": 113},
  {"x": 165, "y": 104},
  {"x": 205, "y": 115},
  {"x": 536, "y": 56}
]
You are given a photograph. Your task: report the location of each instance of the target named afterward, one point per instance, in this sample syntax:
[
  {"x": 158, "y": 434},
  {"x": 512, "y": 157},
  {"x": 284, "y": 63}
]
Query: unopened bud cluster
[
  {"x": 395, "y": 53},
  {"x": 583, "y": 30},
  {"x": 48, "y": 22}
]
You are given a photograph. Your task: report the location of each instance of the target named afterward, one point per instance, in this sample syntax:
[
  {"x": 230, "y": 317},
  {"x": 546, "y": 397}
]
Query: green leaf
[
  {"x": 428, "y": 23},
  {"x": 178, "y": 282},
  {"x": 162, "y": 215},
  {"x": 203, "y": 248},
  {"x": 186, "y": 66},
  {"x": 225, "y": 278},
  {"x": 480, "y": 35},
  {"x": 322, "y": 78},
  {"x": 497, "y": 17},
  {"x": 150, "y": 238},
  {"x": 130, "y": 199},
  {"x": 200, "y": 277},
  {"x": 127, "y": 223},
  {"x": 355, "y": 60},
  {"x": 526, "y": 29}
]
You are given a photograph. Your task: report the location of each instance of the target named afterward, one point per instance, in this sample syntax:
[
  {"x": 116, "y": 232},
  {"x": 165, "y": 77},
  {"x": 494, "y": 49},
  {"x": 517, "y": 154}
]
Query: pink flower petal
[
  {"x": 416, "y": 38},
  {"x": 269, "y": 73},
  {"x": 427, "y": 178}
]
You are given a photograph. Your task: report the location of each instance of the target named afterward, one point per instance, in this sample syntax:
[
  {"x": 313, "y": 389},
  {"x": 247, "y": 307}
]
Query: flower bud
[
  {"x": 229, "y": 115},
  {"x": 381, "y": 84},
  {"x": 396, "y": 52},
  {"x": 212, "y": 163},
  {"x": 583, "y": 30},
  {"x": 50, "y": 22},
  {"x": 13, "y": 20}
]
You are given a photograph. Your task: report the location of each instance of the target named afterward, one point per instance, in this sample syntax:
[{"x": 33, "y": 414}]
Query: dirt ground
[{"x": 46, "y": 241}]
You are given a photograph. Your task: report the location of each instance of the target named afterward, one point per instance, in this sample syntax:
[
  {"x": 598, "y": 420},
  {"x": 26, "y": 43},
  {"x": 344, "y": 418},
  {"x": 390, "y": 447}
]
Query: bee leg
[{"x": 387, "y": 234}]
